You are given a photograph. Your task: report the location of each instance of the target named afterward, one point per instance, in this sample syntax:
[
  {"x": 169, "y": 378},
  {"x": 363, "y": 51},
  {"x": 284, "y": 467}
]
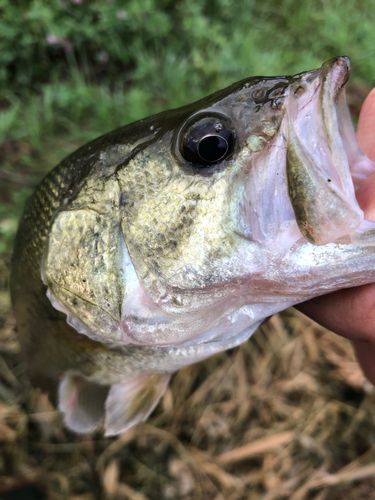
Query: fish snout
[{"x": 335, "y": 73}]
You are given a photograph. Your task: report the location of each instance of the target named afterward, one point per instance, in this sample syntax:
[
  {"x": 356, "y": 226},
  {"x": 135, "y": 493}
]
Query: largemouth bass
[{"x": 171, "y": 239}]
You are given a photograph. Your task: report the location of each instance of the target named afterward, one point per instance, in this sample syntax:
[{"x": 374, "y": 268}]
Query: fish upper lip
[{"x": 335, "y": 74}]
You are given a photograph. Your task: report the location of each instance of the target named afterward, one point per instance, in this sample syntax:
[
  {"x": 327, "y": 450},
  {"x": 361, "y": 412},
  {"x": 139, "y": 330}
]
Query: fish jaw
[{"x": 323, "y": 156}]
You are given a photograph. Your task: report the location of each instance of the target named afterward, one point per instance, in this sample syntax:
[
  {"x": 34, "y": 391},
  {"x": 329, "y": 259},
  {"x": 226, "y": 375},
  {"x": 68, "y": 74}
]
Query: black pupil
[
  {"x": 212, "y": 148},
  {"x": 208, "y": 141}
]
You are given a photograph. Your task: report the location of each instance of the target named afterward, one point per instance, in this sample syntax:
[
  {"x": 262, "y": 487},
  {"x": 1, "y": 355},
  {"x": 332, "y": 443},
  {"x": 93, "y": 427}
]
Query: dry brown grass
[{"x": 288, "y": 415}]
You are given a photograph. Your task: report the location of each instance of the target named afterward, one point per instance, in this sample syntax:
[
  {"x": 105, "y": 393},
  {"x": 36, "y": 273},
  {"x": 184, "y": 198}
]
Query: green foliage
[
  {"x": 209, "y": 41},
  {"x": 71, "y": 70}
]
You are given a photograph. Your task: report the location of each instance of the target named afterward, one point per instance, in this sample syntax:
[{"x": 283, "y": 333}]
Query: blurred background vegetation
[
  {"x": 71, "y": 70},
  {"x": 288, "y": 415}
]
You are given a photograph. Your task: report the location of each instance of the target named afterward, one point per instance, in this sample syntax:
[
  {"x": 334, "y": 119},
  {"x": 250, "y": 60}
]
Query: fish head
[{"x": 214, "y": 215}]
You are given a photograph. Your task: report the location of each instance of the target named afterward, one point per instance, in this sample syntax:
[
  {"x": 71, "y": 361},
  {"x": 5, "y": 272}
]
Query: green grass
[{"x": 126, "y": 60}]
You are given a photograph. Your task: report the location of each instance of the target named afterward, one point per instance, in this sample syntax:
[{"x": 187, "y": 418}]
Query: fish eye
[{"x": 207, "y": 141}]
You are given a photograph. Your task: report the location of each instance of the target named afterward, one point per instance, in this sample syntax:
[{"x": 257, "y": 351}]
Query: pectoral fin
[
  {"x": 82, "y": 403},
  {"x": 132, "y": 401}
]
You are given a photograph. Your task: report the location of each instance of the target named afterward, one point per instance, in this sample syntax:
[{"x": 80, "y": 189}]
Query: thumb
[
  {"x": 365, "y": 351},
  {"x": 366, "y": 126},
  {"x": 366, "y": 139}
]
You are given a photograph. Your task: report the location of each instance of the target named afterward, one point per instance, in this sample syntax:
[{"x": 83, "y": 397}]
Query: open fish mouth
[{"x": 324, "y": 162}]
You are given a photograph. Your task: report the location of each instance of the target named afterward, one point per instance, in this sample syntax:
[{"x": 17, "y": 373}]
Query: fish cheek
[
  {"x": 172, "y": 221},
  {"x": 156, "y": 212},
  {"x": 82, "y": 268}
]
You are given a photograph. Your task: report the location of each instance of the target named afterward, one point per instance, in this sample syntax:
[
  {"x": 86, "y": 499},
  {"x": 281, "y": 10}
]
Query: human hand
[{"x": 351, "y": 312}]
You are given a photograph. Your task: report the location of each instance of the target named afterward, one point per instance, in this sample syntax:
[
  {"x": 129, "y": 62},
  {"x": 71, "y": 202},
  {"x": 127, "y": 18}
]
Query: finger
[
  {"x": 365, "y": 352},
  {"x": 365, "y": 195},
  {"x": 366, "y": 139},
  {"x": 366, "y": 126},
  {"x": 349, "y": 312}
]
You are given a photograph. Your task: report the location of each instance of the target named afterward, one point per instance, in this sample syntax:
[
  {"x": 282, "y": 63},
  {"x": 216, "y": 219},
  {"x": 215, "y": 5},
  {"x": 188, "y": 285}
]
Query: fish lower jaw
[{"x": 324, "y": 163}]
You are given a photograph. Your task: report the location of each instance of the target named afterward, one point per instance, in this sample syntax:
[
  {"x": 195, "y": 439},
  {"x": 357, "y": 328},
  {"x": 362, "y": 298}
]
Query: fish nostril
[
  {"x": 258, "y": 94},
  {"x": 298, "y": 90}
]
